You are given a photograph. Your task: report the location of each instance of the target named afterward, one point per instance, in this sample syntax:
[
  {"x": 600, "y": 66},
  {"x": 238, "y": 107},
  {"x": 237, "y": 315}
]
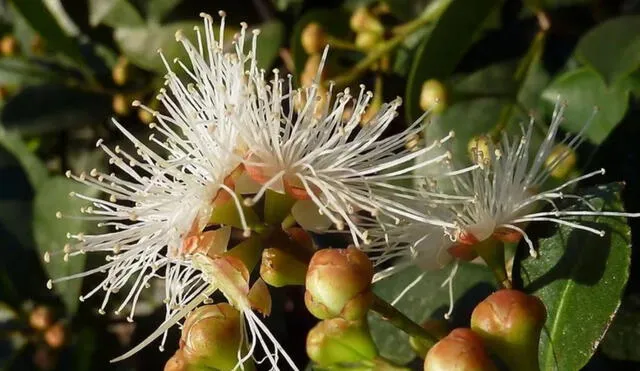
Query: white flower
[
  {"x": 165, "y": 192},
  {"x": 325, "y": 153}
]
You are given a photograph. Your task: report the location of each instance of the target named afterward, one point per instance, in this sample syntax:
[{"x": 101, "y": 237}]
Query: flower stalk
[{"x": 392, "y": 315}]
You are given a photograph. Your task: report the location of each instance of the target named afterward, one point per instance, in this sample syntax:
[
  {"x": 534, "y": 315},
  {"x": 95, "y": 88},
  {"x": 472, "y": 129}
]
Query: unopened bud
[
  {"x": 561, "y": 161},
  {"x": 120, "y": 105},
  {"x": 176, "y": 362},
  {"x": 433, "y": 96},
  {"x": 367, "y": 40},
  {"x": 340, "y": 341},
  {"x": 510, "y": 322},
  {"x": 461, "y": 350},
  {"x": 338, "y": 284},
  {"x": 313, "y": 38},
  {"x": 8, "y": 45},
  {"x": 212, "y": 337},
  {"x": 145, "y": 116},
  {"x": 37, "y": 45},
  {"x": 120, "y": 71},
  {"x": 479, "y": 149},
  {"x": 436, "y": 328},
  {"x": 41, "y": 318},
  {"x": 56, "y": 335},
  {"x": 363, "y": 21},
  {"x": 281, "y": 268}
]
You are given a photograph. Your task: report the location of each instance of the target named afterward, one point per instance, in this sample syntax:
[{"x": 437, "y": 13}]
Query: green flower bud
[
  {"x": 313, "y": 38},
  {"x": 561, "y": 161},
  {"x": 177, "y": 362},
  {"x": 363, "y": 21},
  {"x": 367, "y": 40},
  {"x": 436, "y": 327},
  {"x": 510, "y": 322},
  {"x": 280, "y": 268},
  {"x": 340, "y": 341},
  {"x": 211, "y": 337},
  {"x": 120, "y": 71},
  {"x": 338, "y": 284},
  {"x": 433, "y": 96},
  {"x": 120, "y": 105},
  {"x": 461, "y": 350}
]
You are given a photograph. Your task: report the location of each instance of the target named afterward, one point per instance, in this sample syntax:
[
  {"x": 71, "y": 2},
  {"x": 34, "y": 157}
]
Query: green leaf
[
  {"x": 269, "y": 43},
  {"x": 114, "y": 13},
  {"x": 336, "y": 24},
  {"x": 42, "y": 21},
  {"x": 444, "y": 46},
  {"x": 583, "y": 90},
  {"x": 20, "y": 71},
  {"x": 580, "y": 278},
  {"x": 622, "y": 340},
  {"x": 612, "y": 48},
  {"x": 59, "y": 108},
  {"x": 427, "y": 299},
  {"x": 50, "y": 233},
  {"x": 31, "y": 164},
  {"x": 158, "y": 9}
]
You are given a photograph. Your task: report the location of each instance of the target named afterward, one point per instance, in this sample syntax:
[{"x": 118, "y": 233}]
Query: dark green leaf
[
  {"x": 583, "y": 90},
  {"x": 426, "y": 300},
  {"x": 623, "y": 337},
  {"x": 580, "y": 278},
  {"x": 19, "y": 71},
  {"x": 269, "y": 43},
  {"x": 444, "y": 46},
  {"x": 612, "y": 48},
  {"x": 31, "y": 164},
  {"x": 58, "y": 108},
  {"x": 115, "y": 13},
  {"x": 50, "y": 233},
  {"x": 43, "y": 22}
]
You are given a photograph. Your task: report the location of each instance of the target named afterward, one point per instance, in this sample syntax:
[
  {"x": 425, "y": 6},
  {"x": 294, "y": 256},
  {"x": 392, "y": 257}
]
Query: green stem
[
  {"x": 389, "y": 313},
  {"x": 401, "y": 33}
]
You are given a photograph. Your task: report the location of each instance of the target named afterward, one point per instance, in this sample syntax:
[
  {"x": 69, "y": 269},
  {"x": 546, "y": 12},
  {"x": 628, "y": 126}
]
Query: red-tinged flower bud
[
  {"x": 433, "y": 96},
  {"x": 313, "y": 38},
  {"x": 41, "y": 318},
  {"x": 56, "y": 335},
  {"x": 435, "y": 327},
  {"x": 177, "y": 362},
  {"x": 338, "y": 284},
  {"x": 281, "y": 268},
  {"x": 461, "y": 350},
  {"x": 340, "y": 341},
  {"x": 211, "y": 337},
  {"x": 510, "y": 322}
]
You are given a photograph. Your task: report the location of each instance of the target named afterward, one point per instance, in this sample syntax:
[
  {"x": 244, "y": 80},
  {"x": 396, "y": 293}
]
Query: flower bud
[
  {"x": 211, "y": 337},
  {"x": 433, "y": 96},
  {"x": 41, "y": 318},
  {"x": 435, "y": 327},
  {"x": 510, "y": 322},
  {"x": 176, "y": 362},
  {"x": 280, "y": 268},
  {"x": 479, "y": 149},
  {"x": 8, "y": 45},
  {"x": 561, "y": 161},
  {"x": 120, "y": 105},
  {"x": 56, "y": 335},
  {"x": 120, "y": 71},
  {"x": 461, "y": 350},
  {"x": 340, "y": 341},
  {"x": 367, "y": 40},
  {"x": 37, "y": 45},
  {"x": 145, "y": 116},
  {"x": 313, "y": 38},
  {"x": 363, "y": 21},
  {"x": 338, "y": 284}
]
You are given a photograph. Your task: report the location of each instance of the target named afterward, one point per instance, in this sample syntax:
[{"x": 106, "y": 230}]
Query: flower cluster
[{"x": 229, "y": 134}]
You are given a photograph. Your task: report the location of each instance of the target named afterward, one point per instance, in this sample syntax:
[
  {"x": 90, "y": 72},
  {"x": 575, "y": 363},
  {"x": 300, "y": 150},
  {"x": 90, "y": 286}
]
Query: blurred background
[{"x": 68, "y": 67}]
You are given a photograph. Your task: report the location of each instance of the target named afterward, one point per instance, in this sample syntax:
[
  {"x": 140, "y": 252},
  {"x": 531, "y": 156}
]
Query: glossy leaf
[
  {"x": 612, "y": 48},
  {"x": 269, "y": 43},
  {"x": 580, "y": 278},
  {"x": 42, "y": 21},
  {"x": 51, "y": 233},
  {"x": 59, "y": 108},
  {"x": 34, "y": 168},
  {"x": 115, "y": 13},
  {"x": 19, "y": 71},
  {"x": 426, "y": 300},
  {"x": 622, "y": 341},
  {"x": 444, "y": 46},
  {"x": 584, "y": 91}
]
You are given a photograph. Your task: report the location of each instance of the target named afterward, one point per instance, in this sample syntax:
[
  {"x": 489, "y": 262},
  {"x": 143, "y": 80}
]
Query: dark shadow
[{"x": 464, "y": 306}]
